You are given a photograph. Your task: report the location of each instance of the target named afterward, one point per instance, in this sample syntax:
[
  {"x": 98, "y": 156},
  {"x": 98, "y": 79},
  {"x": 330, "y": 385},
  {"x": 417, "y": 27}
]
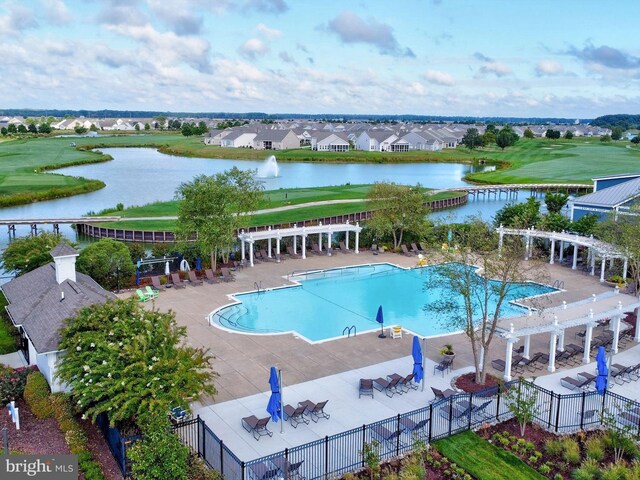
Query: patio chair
[
  {"x": 438, "y": 393},
  {"x": 155, "y": 281},
  {"x": 262, "y": 471},
  {"x": 264, "y": 256},
  {"x": 290, "y": 252},
  {"x": 567, "y": 357},
  {"x": 415, "y": 428},
  {"x": 141, "y": 296},
  {"x": 395, "y": 331},
  {"x": 407, "y": 383},
  {"x": 178, "y": 414},
  {"x": 405, "y": 251},
  {"x": 194, "y": 279},
  {"x": 177, "y": 282},
  {"x": 444, "y": 366},
  {"x": 315, "y": 249},
  {"x": 529, "y": 363},
  {"x": 374, "y": 249},
  {"x": 629, "y": 418},
  {"x": 344, "y": 249},
  {"x": 572, "y": 383},
  {"x": 288, "y": 469},
  {"x": 585, "y": 376},
  {"x": 257, "y": 426},
  {"x": 415, "y": 249},
  {"x": 295, "y": 415},
  {"x": 388, "y": 386},
  {"x": 210, "y": 277},
  {"x": 499, "y": 364},
  {"x": 386, "y": 435},
  {"x": 226, "y": 275},
  {"x": 315, "y": 410},
  {"x": 151, "y": 293},
  {"x": 276, "y": 256},
  {"x": 452, "y": 411},
  {"x": 478, "y": 411},
  {"x": 366, "y": 387}
]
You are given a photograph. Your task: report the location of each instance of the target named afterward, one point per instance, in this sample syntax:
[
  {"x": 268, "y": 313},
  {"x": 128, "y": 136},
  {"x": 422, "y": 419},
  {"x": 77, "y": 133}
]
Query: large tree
[
  {"x": 131, "y": 363},
  {"x": 215, "y": 207},
  {"x": 28, "y": 253},
  {"x": 519, "y": 215},
  {"x": 506, "y": 137},
  {"x": 477, "y": 298},
  {"x": 555, "y": 201},
  {"x": 107, "y": 261},
  {"x": 397, "y": 209},
  {"x": 472, "y": 139}
]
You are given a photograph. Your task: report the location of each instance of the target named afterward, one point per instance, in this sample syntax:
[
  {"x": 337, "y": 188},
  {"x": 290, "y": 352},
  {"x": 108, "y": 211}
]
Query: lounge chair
[
  {"x": 532, "y": 364},
  {"x": 423, "y": 246},
  {"x": 406, "y": 383},
  {"x": 388, "y": 386},
  {"x": 193, "y": 279},
  {"x": 290, "y": 252},
  {"x": 366, "y": 387},
  {"x": 262, "y": 471},
  {"x": 415, "y": 249},
  {"x": 499, "y": 364},
  {"x": 226, "y": 275},
  {"x": 572, "y": 383},
  {"x": 386, "y": 435},
  {"x": 452, "y": 411},
  {"x": 142, "y": 296},
  {"x": 567, "y": 357},
  {"x": 405, "y": 250},
  {"x": 151, "y": 293},
  {"x": 374, "y": 249},
  {"x": 444, "y": 366},
  {"x": 155, "y": 281},
  {"x": 288, "y": 469},
  {"x": 415, "y": 428},
  {"x": 275, "y": 255},
  {"x": 177, "y": 282},
  {"x": 315, "y": 410},
  {"x": 586, "y": 376},
  {"x": 315, "y": 248},
  {"x": 478, "y": 411},
  {"x": 295, "y": 415},
  {"x": 211, "y": 278},
  {"x": 629, "y": 418},
  {"x": 257, "y": 426},
  {"x": 264, "y": 256},
  {"x": 344, "y": 249}
]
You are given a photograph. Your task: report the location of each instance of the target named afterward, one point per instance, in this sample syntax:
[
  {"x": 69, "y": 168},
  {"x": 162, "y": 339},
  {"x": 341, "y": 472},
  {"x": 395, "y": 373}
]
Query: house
[
  {"x": 325, "y": 141},
  {"x": 422, "y": 141},
  {"x": 213, "y": 136},
  {"x": 613, "y": 193},
  {"x": 40, "y": 302},
  {"x": 276, "y": 140},
  {"x": 375, "y": 140},
  {"x": 239, "y": 137}
]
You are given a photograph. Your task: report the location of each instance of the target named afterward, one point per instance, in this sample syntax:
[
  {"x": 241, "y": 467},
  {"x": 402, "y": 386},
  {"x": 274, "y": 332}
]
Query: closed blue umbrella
[
  {"x": 137, "y": 277},
  {"x": 601, "y": 379},
  {"x": 274, "y": 407},
  {"x": 416, "y": 353},
  {"x": 198, "y": 264},
  {"x": 380, "y": 320}
]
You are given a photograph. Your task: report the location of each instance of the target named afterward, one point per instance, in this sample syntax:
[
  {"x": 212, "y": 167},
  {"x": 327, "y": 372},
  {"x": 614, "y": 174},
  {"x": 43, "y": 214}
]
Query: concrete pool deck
[{"x": 243, "y": 360}]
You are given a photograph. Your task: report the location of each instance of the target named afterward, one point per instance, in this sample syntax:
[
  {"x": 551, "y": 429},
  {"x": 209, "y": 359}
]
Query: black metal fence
[
  {"x": 343, "y": 452},
  {"x": 117, "y": 442}
]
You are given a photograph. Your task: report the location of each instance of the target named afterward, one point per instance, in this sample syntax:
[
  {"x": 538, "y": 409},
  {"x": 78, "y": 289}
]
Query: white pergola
[
  {"x": 556, "y": 321},
  {"x": 596, "y": 247},
  {"x": 303, "y": 232}
]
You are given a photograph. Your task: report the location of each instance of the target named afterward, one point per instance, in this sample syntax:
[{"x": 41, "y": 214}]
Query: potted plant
[{"x": 447, "y": 351}]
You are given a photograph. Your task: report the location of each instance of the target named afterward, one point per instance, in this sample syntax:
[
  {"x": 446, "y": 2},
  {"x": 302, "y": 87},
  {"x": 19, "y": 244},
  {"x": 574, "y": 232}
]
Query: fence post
[
  {"x": 222, "y": 458},
  {"x": 398, "y": 436},
  {"x": 204, "y": 438},
  {"x": 558, "y": 413},
  {"x": 430, "y": 421},
  {"x": 364, "y": 440},
  {"x": 550, "y": 411},
  {"x": 242, "y": 470},
  {"x": 498, "y": 404},
  {"x": 584, "y": 396},
  {"x": 470, "y": 409},
  {"x": 326, "y": 456},
  {"x": 286, "y": 464},
  {"x": 450, "y": 414}
]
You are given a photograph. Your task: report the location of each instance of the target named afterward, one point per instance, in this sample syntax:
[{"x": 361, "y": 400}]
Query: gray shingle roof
[
  {"x": 35, "y": 303},
  {"x": 271, "y": 135},
  {"x": 611, "y": 196},
  {"x": 63, "y": 249}
]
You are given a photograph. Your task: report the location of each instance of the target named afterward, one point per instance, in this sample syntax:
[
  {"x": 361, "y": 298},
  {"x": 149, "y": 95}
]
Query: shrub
[
  {"x": 544, "y": 468},
  {"x": 589, "y": 470},
  {"x": 553, "y": 447},
  {"x": 197, "y": 470},
  {"x": 558, "y": 476},
  {"x": 12, "y": 383},
  {"x": 615, "y": 471},
  {"x": 76, "y": 440},
  {"x": 571, "y": 451},
  {"x": 595, "y": 448},
  {"x": 36, "y": 394}
]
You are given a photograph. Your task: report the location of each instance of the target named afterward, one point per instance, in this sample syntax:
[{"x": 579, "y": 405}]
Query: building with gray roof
[{"x": 614, "y": 193}]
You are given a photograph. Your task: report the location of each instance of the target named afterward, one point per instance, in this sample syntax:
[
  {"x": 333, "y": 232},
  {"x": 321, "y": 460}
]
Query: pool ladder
[
  {"x": 258, "y": 287},
  {"x": 559, "y": 284},
  {"x": 347, "y": 331}
]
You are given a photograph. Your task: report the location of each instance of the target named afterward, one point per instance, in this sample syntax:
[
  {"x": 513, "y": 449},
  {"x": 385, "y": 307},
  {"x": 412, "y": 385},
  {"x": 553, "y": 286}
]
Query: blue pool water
[{"x": 328, "y": 301}]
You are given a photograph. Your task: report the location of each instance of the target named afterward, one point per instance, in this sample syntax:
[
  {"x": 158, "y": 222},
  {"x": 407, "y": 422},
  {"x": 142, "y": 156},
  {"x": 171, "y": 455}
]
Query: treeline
[
  {"x": 624, "y": 121},
  {"x": 282, "y": 116}
]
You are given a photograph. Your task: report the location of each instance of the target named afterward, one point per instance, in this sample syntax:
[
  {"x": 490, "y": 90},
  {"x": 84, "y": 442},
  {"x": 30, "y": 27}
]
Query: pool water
[{"x": 326, "y": 302}]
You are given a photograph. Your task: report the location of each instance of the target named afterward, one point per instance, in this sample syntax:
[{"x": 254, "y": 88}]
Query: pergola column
[
  {"x": 242, "y": 254},
  {"x": 575, "y": 257},
  {"x": 636, "y": 337},
  {"x": 625, "y": 266},
  {"x": 604, "y": 264},
  {"x": 269, "y": 247},
  {"x": 552, "y": 352},
  {"x": 346, "y": 239},
  {"x": 616, "y": 333},
  {"x": 527, "y": 346},
  {"x": 320, "y": 241},
  {"x": 553, "y": 251},
  {"x": 561, "y": 341},
  {"x": 561, "y": 253},
  {"x": 251, "y": 253},
  {"x": 358, "y": 238},
  {"x": 593, "y": 264},
  {"x": 611, "y": 263},
  {"x": 500, "y": 238},
  {"x": 278, "y": 248},
  {"x": 527, "y": 250},
  {"x": 304, "y": 246},
  {"x": 588, "y": 335},
  {"x": 295, "y": 244},
  {"x": 508, "y": 359}
]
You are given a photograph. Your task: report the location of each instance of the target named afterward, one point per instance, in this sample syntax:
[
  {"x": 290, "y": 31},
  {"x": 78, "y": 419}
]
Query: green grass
[
  {"x": 7, "y": 342},
  {"x": 483, "y": 460}
]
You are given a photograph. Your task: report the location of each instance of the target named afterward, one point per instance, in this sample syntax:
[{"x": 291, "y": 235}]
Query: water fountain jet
[{"x": 269, "y": 169}]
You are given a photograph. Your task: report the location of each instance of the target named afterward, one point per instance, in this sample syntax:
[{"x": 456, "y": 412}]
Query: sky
[{"x": 542, "y": 58}]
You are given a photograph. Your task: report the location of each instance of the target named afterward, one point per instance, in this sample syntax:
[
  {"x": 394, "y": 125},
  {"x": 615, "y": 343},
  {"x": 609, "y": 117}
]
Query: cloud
[
  {"x": 178, "y": 15},
  {"x": 286, "y": 58},
  {"x": 56, "y": 11},
  {"x": 439, "y": 78},
  {"x": 549, "y": 68},
  {"x": 353, "y": 29},
  {"x": 270, "y": 33},
  {"x": 482, "y": 57},
  {"x": 496, "y": 68},
  {"x": 122, "y": 15},
  {"x": 20, "y": 18},
  {"x": 267, "y": 6},
  {"x": 605, "y": 56},
  {"x": 302, "y": 48},
  {"x": 253, "y": 48}
]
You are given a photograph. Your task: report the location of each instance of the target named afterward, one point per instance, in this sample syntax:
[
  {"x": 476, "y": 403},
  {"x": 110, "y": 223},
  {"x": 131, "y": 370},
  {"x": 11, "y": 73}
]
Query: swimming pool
[{"x": 326, "y": 302}]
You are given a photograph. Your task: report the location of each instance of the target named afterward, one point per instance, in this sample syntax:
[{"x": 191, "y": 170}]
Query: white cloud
[
  {"x": 439, "y": 78},
  {"x": 253, "y": 48},
  {"x": 496, "y": 68},
  {"x": 270, "y": 33},
  {"x": 549, "y": 67},
  {"x": 56, "y": 11}
]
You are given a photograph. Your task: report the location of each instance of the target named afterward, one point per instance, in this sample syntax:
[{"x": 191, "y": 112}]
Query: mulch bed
[
  {"x": 467, "y": 382},
  {"x": 533, "y": 432}
]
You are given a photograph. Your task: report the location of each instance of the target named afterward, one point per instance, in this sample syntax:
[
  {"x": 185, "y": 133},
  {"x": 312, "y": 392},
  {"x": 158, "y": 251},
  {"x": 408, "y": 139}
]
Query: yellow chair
[{"x": 396, "y": 332}]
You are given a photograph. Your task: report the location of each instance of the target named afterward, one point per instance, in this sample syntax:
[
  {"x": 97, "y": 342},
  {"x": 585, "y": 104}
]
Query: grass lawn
[
  {"x": 483, "y": 460},
  {"x": 7, "y": 342}
]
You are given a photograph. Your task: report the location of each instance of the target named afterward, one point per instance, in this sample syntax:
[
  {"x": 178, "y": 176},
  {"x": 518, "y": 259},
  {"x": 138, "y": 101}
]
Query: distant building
[{"x": 613, "y": 193}]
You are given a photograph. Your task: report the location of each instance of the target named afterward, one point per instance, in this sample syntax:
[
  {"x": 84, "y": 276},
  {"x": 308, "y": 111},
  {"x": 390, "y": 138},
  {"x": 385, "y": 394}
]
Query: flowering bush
[{"x": 12, "y": 383}]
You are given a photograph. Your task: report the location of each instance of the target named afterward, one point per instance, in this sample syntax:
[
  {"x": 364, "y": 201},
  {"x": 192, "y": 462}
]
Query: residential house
[
  {"x": 40, "y": 302},
  {"x": 213, "y": 136},
  {"x": 276, "y": 140},
  {"x": 375, "y": 140},
  {"x": 239, "y": 137},
  {"x": 613, "y": 193},
  {"x": 325, "y": 141}
]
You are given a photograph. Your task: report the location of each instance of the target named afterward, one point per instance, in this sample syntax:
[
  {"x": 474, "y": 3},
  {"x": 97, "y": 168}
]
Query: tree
[
  {"x": 107, "y": 261},
  {"x": 554, "y": 222},
  {"x": 80, "y": 130},
  {"x": 397, "y": 209},
  {"x": 22, "y": 129},
  {"x": 201, "y": 129},
  {"x": 4, "y": 131},
  {"x": 623, "y": 232},
  {"x": 215, "y": 207},
  {"x": 616, "y": 133},
  {"x": 522, "y": 402},
  {"x": 32, "y": 128},
  {"x": 555, "y": 201},
  {"x": 528, "y": 133},
  {"x": 131, "y": 363},
  {"x": 147, "y": 127},
  {"x": 568, "y": 134},
  {"x": 11, "y": 128},
  {"x": 491, "y": 128},
  {"x": 475, "y": 302},
  {"x": 28, "y": 253},
  {"x": 44, "y": 128},
  {"x": 161, "y": 121},
  {"x": 488, "y": 137},
  {"x": 506, "y": 137},
  {"x": 472, "y": 139},
  {"x": 605, "y": 138},
  {"x": 552, "y": 134},
  {"x": 187, "y": 130},
  {"x": 519, "y": 215},
  {"x": 636, "y": 139},
  {"x": 93, "y": 128},
  {"x": 586, "y": 225}
]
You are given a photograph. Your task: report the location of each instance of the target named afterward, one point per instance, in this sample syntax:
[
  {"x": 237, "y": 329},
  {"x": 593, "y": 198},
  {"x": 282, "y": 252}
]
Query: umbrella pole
[
  {"x": 281, "y": 409},
  {"x": 424, "y": 349}
]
